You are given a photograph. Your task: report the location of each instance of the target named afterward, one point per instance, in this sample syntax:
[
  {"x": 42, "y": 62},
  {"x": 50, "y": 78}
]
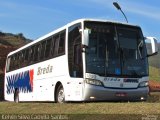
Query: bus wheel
[
  {"x": 60, "y": 96},
  {"x": 16, "y": 96}
]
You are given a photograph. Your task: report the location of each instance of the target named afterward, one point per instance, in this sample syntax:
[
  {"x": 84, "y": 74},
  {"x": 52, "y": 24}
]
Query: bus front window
[
  {"x": 133, "y": 52},
  {"x": 116, "y": 50},
  {"x": 102, "y": 54}
]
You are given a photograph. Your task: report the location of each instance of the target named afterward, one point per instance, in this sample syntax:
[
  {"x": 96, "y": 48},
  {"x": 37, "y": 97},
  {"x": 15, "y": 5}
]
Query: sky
[{"x": 35, "y": 18}]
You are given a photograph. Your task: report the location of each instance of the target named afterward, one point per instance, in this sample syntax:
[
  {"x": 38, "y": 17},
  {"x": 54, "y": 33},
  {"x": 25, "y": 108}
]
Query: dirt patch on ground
[
  {"x": 154, "y": 97},
  {"x": 154, "y": 86}
]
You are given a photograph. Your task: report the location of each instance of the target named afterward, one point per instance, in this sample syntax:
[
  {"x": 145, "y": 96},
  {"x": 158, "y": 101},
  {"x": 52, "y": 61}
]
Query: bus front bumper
[{"x": 99, "y": 93}]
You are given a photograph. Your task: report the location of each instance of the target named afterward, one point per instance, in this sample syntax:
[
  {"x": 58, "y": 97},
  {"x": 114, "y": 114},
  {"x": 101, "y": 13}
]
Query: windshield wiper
[{"x": 140, "y": 46}]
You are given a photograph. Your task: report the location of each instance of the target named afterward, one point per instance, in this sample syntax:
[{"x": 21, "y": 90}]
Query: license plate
[{"x": 121, "y": 94}]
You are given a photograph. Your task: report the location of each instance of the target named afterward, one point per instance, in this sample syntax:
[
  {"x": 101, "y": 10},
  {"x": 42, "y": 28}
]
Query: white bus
[{"x": 86, "y": 60}]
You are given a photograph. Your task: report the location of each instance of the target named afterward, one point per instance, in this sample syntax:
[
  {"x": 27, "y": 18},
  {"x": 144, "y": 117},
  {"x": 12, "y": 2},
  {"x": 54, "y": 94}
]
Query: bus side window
[
  {"x": 11, "y": 63},
  {"x": 42, "y": 50},
  {"x": 16, "y": 62},
  {"x": 52, "y": 46},
  {"x": 26, "y": 56},
  {"x": 22, "y": 58},
  {"x": 48, "y": 48},
  {"x": 77, "y": 54},
  {"x": 61, "y": 49},
  {"x": 75, "y": 51},
  {"x": 31, "y": 55},
  {"x": 36, "y": 53},
  {"x": 56, "y": 44},
  {"x": 19, "y": 59}
]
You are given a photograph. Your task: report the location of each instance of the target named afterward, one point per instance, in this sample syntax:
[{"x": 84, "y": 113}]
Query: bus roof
[{"x": 64, "y": 27}]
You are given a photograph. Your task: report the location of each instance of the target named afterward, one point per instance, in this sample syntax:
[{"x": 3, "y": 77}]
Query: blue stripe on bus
[{"x": 22, "y": 81}]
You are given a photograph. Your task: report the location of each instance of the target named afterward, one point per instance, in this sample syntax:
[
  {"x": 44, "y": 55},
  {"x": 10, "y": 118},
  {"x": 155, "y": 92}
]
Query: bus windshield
[{"x": 116, "y": 50}]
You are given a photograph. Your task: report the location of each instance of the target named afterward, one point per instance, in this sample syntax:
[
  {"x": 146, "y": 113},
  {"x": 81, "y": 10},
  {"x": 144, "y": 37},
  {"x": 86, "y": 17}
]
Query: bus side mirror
[
  {"x": 85, "y": 40},
  {"x": 152, "y": 46}
]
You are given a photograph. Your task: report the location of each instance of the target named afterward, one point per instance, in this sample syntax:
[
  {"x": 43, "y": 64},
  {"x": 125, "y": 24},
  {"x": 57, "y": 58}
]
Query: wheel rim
[{"x": 61, "y": 96}]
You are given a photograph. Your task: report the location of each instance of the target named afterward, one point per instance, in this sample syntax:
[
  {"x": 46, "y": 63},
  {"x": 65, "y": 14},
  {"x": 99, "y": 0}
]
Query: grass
[
  {"x": 80, "y": 108},
  {"x": 85, "y": 111},
  {"x": 154, "y": 74},
  {"x": 152, "y": 106}
]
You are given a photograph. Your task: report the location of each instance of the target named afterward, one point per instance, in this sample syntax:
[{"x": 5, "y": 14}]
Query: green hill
[
  {"x": 154, "y": 69},
  {"x": 8, "y": 43},
  {"x": 155, "y": 60},
  {"x": 14, "y": 40}
]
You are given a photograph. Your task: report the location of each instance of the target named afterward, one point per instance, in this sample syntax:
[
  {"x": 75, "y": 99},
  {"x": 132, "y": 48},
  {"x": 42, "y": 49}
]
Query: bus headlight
[
  {"x": 94, "y": 82},
  {"x": 143, "y": 84}
]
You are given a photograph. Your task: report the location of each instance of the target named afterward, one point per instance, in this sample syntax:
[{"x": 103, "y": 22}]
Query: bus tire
[
  {"x": 60, "y": 96},
  {"x": 16, "y": 96}
]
